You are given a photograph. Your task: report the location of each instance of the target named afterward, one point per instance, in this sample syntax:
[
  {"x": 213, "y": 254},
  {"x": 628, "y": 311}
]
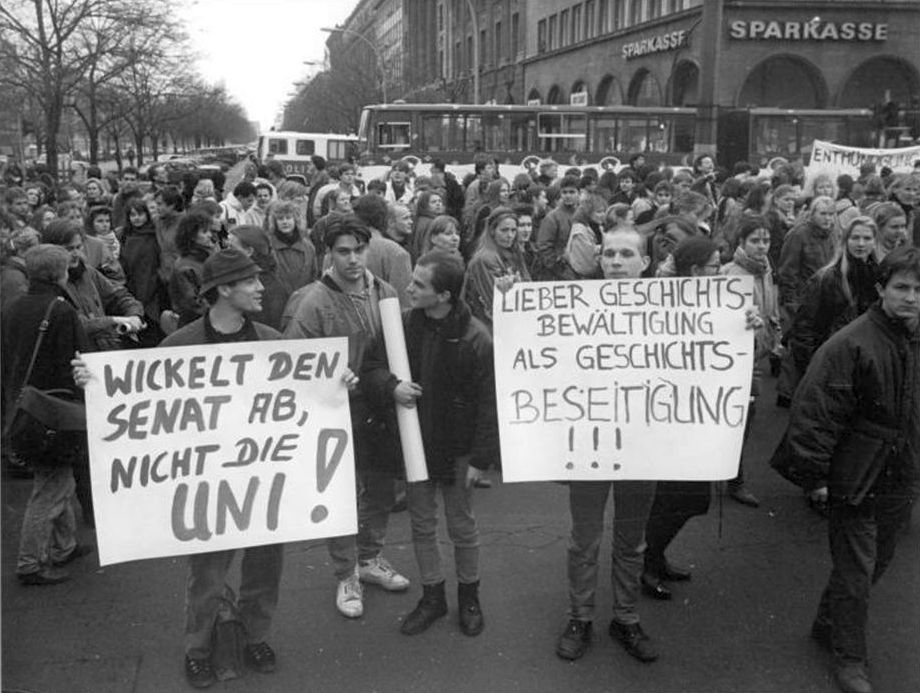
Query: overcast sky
[{"x": 257, "y": 47}]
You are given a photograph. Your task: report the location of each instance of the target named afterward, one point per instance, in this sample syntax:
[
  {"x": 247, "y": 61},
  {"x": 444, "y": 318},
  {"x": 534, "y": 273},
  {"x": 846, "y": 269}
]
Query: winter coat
[
  {"x": 451, "y": 359},
  {"x": 296, "y": 262},
  {"x": 97, "y": 299},
  {"x": 199, "y": 332},
  {"x": 806, "y": 249},
  {"x": 140, "y": 259},
  {"x": 552, "y": 239},
  {"x": 185, "y": 286},
  {"x": 855, "y": 418}
]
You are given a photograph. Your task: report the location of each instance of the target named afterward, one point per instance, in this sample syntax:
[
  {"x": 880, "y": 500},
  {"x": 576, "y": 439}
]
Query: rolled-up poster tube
[{"x": 410, "y": 432}]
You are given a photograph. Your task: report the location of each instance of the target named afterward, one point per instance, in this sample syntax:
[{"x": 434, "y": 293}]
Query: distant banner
[
  {"x": 623, "y": 379},
  {"x": 836, "y": 159},
  {"x": 223, "y": 446}
]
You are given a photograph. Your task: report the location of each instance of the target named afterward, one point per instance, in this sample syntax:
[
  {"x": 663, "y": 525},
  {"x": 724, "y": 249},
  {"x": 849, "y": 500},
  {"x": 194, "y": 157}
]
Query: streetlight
[{"x": 383, "y": 76}]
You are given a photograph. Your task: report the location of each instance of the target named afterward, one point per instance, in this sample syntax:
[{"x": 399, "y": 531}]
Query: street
[{"x": 740, "y": 626}]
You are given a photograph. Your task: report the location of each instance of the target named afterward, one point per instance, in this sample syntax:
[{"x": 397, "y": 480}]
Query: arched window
[
  {"x": 685, "y": 84},
  {"x": 644, "y": 90},
  {"x": 878, "y": 78},
  {"x": 784, "y": 81},
  {"x": 534, "y": 95},
  {"x": 609, "y": 92},
  {"x": 555, "y": 95}
]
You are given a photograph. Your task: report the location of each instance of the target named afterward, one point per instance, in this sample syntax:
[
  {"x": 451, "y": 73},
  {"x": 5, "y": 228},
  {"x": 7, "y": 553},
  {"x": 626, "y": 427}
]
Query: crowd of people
[{"x": 119, "y": 263}]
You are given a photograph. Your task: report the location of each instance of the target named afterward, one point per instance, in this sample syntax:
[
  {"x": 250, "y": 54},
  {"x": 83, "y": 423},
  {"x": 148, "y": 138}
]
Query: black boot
[
  {"x": 471, "y": 622},
  {"x": 432, "y": 606}
]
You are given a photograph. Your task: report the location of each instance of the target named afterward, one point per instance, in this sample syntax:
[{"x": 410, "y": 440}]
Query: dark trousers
[
  {"x": 675, "y": 503},
  {"x": 862, "y": 540}
]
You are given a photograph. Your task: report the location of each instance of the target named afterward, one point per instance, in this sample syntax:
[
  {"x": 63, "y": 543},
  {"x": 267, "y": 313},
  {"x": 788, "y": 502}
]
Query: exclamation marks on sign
[
  {"x": 326, "y": 464},
  {"x": 596, "y": 445}
]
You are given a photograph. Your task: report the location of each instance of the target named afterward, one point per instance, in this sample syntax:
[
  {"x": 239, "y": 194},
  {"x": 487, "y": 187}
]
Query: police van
[{"x": 294, "y": 149}]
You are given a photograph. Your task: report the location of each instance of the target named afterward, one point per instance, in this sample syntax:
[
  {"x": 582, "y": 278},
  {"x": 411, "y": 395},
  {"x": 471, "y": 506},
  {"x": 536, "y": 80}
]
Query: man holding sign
[{"x": 623, "y": 257}]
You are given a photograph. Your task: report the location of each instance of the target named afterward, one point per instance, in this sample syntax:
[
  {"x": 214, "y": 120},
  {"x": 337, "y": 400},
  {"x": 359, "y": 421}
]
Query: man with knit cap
[{"x": 231, "y": 286}]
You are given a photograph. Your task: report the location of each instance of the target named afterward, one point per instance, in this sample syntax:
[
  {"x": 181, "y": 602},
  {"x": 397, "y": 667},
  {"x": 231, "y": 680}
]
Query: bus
[
  {"x": 294, "y": 149},
  {"x": 521, "y": 135},
  {"x": 600, "y": 136}
]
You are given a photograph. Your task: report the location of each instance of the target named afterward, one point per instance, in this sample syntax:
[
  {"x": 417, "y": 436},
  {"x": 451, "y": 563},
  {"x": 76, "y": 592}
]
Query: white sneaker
[
  {"x": 378, "y": 571},
  {"x": 349, "y": 597}
]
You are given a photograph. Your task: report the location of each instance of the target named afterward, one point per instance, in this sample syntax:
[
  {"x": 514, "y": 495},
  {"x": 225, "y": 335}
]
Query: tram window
[
  {"x": 393, "y": 136},
  {"x": 859, "y": 132},
  {"x": 604, "y": 135},
  {"x": 305, "y": 147},
  {"x": 523, "y": 133},
  {"x": 277, "y": 146},
  {"x": 561, "y": 132},
  {"x": 830, "y": 130},
  {"x": 435, "y": 132},
  {"x": 497, "y": 128},
  {"x": 634, "y": 135},
  {"x": 658, "y": 136},
  {"x": 775, "y": 135},
  {"x": 474, "y": 141}
]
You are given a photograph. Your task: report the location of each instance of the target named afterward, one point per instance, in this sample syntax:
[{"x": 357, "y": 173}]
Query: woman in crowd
[
  {"x": 43, "y": 215},
  {"x": 195, "y": 244},
  {"x": 140, "y": 259},
  {"x": 905, "y": 191},
  {"x": 582, "y": 250},
  {"x": 780, "y": 218},
  {"x": 96, "y": 194},
  {"x": 48, "y": 536},
  {"x": 751, "y": 257},
  {"x": 99, "y": 224},
  {"x": 499, "y": 255},
  {"x": 429, "y": 204},
  {"x": 442, "y": 234},
  {"x": 295, "y": 254},
  {"x": 497, "y": 193},
  {"x": 891, "y": 221}
]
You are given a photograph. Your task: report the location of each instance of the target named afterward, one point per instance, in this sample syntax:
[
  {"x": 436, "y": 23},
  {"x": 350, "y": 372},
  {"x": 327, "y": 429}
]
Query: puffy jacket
[
  {"x": 855, "y": 418},
  {"x": 806, "y": 249}
]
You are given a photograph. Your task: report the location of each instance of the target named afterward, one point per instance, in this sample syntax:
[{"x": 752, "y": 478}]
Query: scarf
[
  {"x": 289, "y": 240},
  {"x": 749, "y": 264}
]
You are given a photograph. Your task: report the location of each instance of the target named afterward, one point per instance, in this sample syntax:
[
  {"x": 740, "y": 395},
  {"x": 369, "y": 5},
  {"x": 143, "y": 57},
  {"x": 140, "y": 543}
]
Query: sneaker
[
  {"x": 575, "y": 639},
  {"x": 378, "y": 571},
  {"x": 199, "y": 672},
  {"x": 852, "y": 677},
  {"x": 260, "y": 656},
  {"x": 349, "y": 597},
  {"x": 634, "y": 640},
  {"x": 48, "y": 575}
]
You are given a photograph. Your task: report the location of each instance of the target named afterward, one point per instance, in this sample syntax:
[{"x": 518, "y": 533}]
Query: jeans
[
  {"x": 48, "y": 532},
  {"x": 376, "y": 496},
  {"x": 862, "y": 541},
  {"x": 207, "y": 576},
  {"x": 422, "y": 500},
  {"x": 632, "y": 502}
]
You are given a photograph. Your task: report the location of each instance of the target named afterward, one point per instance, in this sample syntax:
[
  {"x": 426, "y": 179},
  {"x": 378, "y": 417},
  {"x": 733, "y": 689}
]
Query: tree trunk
[
  {"x": 52, "y": 125},
  {"x": 139, "y": 147}
]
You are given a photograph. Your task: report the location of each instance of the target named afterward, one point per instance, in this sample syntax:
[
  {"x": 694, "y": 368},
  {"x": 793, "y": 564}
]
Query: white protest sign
[
  {"x": 219, "y": 446},
  {"x": 623, "y": 378},
  {"x": 836, "y": 159}
]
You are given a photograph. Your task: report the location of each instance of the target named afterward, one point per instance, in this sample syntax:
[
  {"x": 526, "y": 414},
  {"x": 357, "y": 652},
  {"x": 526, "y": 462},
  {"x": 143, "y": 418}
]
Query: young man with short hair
[
  {"x": 622, "y": 257},
  {"x": 553, "y": 235},
  {"x": 345, "y": 302},
  {"x": 854, "y": 428},
  {"x": 453, "y": 388}
]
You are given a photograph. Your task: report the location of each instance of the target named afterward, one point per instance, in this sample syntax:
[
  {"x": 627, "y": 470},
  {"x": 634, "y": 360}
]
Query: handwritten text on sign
[
  {"x": 623, "y": 379},
  {"x": 206, "y": 448}
]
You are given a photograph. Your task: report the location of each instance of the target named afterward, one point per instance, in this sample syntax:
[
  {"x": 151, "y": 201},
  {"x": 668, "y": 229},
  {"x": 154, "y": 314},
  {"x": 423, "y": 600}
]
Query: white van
[{"x": 294, "y": 149}]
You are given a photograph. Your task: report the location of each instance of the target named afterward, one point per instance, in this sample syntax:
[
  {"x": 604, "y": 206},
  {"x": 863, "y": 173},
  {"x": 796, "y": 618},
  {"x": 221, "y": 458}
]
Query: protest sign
[
  {"x": 623, "y": 379},
  {"x": 223, "y": 446},
  {"x": 835, "y": 159}
]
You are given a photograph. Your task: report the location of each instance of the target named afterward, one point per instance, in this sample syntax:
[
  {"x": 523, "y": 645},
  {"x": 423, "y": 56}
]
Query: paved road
[{"x": 739, "y": 627}]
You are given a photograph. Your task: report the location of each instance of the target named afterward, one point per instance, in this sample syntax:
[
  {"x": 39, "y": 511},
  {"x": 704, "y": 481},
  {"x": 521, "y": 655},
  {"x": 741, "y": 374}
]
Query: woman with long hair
[
  {"x": 499, "y": 255},
  {"x": 428, "y": 206},
  {"x": 582, "y": 249},
  {"x": 195, "y": 244},
  {"x": 780, "y": 218},
  {"x": 140, "y": 259},
  {"x": 497, "y": 194},
  {"x": 443, "y": 234}
]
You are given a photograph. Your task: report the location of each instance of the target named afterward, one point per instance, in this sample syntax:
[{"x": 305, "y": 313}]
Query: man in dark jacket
[
  {"x": 453, "y": 386},
  {"x": 855, "y": 428},
  {"x": 555, "y": 228}
]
